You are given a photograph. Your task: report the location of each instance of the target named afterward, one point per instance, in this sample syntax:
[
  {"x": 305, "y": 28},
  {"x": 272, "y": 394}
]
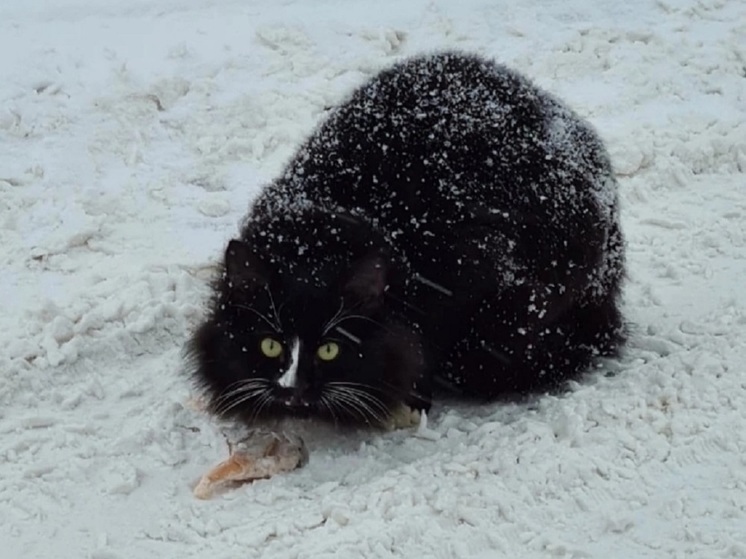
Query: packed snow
[{"x": 133, "y": 136}]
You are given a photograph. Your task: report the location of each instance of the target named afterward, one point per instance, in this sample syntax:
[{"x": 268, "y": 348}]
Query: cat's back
[
  {"x": 427, "y": 117},
  {"x": 450, "y": 157},
  {"x": 442, "y": 134}
]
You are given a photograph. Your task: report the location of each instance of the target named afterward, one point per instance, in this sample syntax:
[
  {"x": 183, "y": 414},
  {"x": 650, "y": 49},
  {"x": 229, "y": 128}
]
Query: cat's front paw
[{"x": 403, "y": 417}]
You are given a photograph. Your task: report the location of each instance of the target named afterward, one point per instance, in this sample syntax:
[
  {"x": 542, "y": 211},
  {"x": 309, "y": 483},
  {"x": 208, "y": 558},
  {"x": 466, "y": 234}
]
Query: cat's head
[{"x": 305, "y": 336}]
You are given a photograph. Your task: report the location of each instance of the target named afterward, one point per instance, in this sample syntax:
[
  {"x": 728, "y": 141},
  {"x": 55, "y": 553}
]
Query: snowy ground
[{"x": 132, "y": 136}]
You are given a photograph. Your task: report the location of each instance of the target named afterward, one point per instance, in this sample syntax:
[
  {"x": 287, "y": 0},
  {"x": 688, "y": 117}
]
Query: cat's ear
[
  {"x": 366, "y": 280},
  {"x": 243, "y": 268}
]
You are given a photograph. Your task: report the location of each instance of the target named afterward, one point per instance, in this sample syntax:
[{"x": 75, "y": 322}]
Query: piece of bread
[{"x": 261, "y": 455}]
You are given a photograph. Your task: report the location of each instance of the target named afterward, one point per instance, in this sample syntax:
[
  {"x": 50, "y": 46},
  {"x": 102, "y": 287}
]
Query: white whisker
[
  {"x": 237, "y": 398},
  {"x": 363, "y": 395},
  {"x": 237, "y": 393},
  {"x": 329, "y": 405},
  {"x": 278, "y": 325},
  {"x": 372, "y": 400},
  {"x": 272, "y": 324},
  {"x": 358, "y": 316},
  {"x": 230, "y": 404},
  {"x": 240, "y": 386},
  {"x": 369, "y": 387},
  {"x": 350, "y": 405},
  {"x": 355, "y": 403},
  {"x": 264, "y": 399},
  {"x": 332, "y": 321}
]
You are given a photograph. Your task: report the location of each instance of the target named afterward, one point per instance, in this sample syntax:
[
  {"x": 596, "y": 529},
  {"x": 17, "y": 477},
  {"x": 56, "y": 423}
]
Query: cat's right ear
[
  {"x": 366, "y": 280},
  {"x": 243, "y": 268}
]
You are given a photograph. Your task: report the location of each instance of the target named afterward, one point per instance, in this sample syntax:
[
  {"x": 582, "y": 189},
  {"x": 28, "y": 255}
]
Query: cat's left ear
[
  {"x": 366, "y": 280},
  {"x": 243, "y": 268}
]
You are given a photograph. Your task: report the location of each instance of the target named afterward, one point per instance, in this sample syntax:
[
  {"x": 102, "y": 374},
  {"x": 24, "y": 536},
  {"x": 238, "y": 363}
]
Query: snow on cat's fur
[{"x": 450, "y": 222}]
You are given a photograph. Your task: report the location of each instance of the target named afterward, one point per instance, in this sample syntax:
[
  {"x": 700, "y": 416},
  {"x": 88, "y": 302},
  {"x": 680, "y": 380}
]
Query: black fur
[{"x": 460, "y": 221}]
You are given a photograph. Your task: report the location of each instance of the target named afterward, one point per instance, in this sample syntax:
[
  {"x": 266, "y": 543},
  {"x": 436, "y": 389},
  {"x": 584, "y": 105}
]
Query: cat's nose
[
  {"x": 297, "y": 406},
  {"x": 295, "y": 401}
]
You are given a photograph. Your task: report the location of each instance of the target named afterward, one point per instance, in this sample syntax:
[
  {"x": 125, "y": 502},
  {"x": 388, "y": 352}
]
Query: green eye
[
  {"x": 270, "y": 347},
  {"x": 328, "y": 351}
]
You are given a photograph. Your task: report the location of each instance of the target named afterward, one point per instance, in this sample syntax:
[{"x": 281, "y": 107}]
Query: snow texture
[{"x": 133, "y": 135}]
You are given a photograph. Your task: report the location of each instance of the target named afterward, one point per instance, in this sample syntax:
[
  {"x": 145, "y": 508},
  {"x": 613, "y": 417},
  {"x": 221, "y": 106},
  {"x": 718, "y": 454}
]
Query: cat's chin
[
  {"x": 304, "y": 418},
  {"x": 314, "y": 430},
  {"x": 298, "y": 412}
]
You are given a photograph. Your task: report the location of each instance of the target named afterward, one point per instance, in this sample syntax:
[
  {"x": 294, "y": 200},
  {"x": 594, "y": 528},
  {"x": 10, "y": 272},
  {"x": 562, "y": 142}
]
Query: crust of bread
[{"x": 280, "y": 454}]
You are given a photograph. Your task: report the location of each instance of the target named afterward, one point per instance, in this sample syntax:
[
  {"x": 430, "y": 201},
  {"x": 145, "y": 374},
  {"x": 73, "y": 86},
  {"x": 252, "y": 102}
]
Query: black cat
[{"x": 450, "y": 222}]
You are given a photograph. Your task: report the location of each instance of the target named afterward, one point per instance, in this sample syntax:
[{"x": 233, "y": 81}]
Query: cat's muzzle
[{"x": 293, "y": 402}]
